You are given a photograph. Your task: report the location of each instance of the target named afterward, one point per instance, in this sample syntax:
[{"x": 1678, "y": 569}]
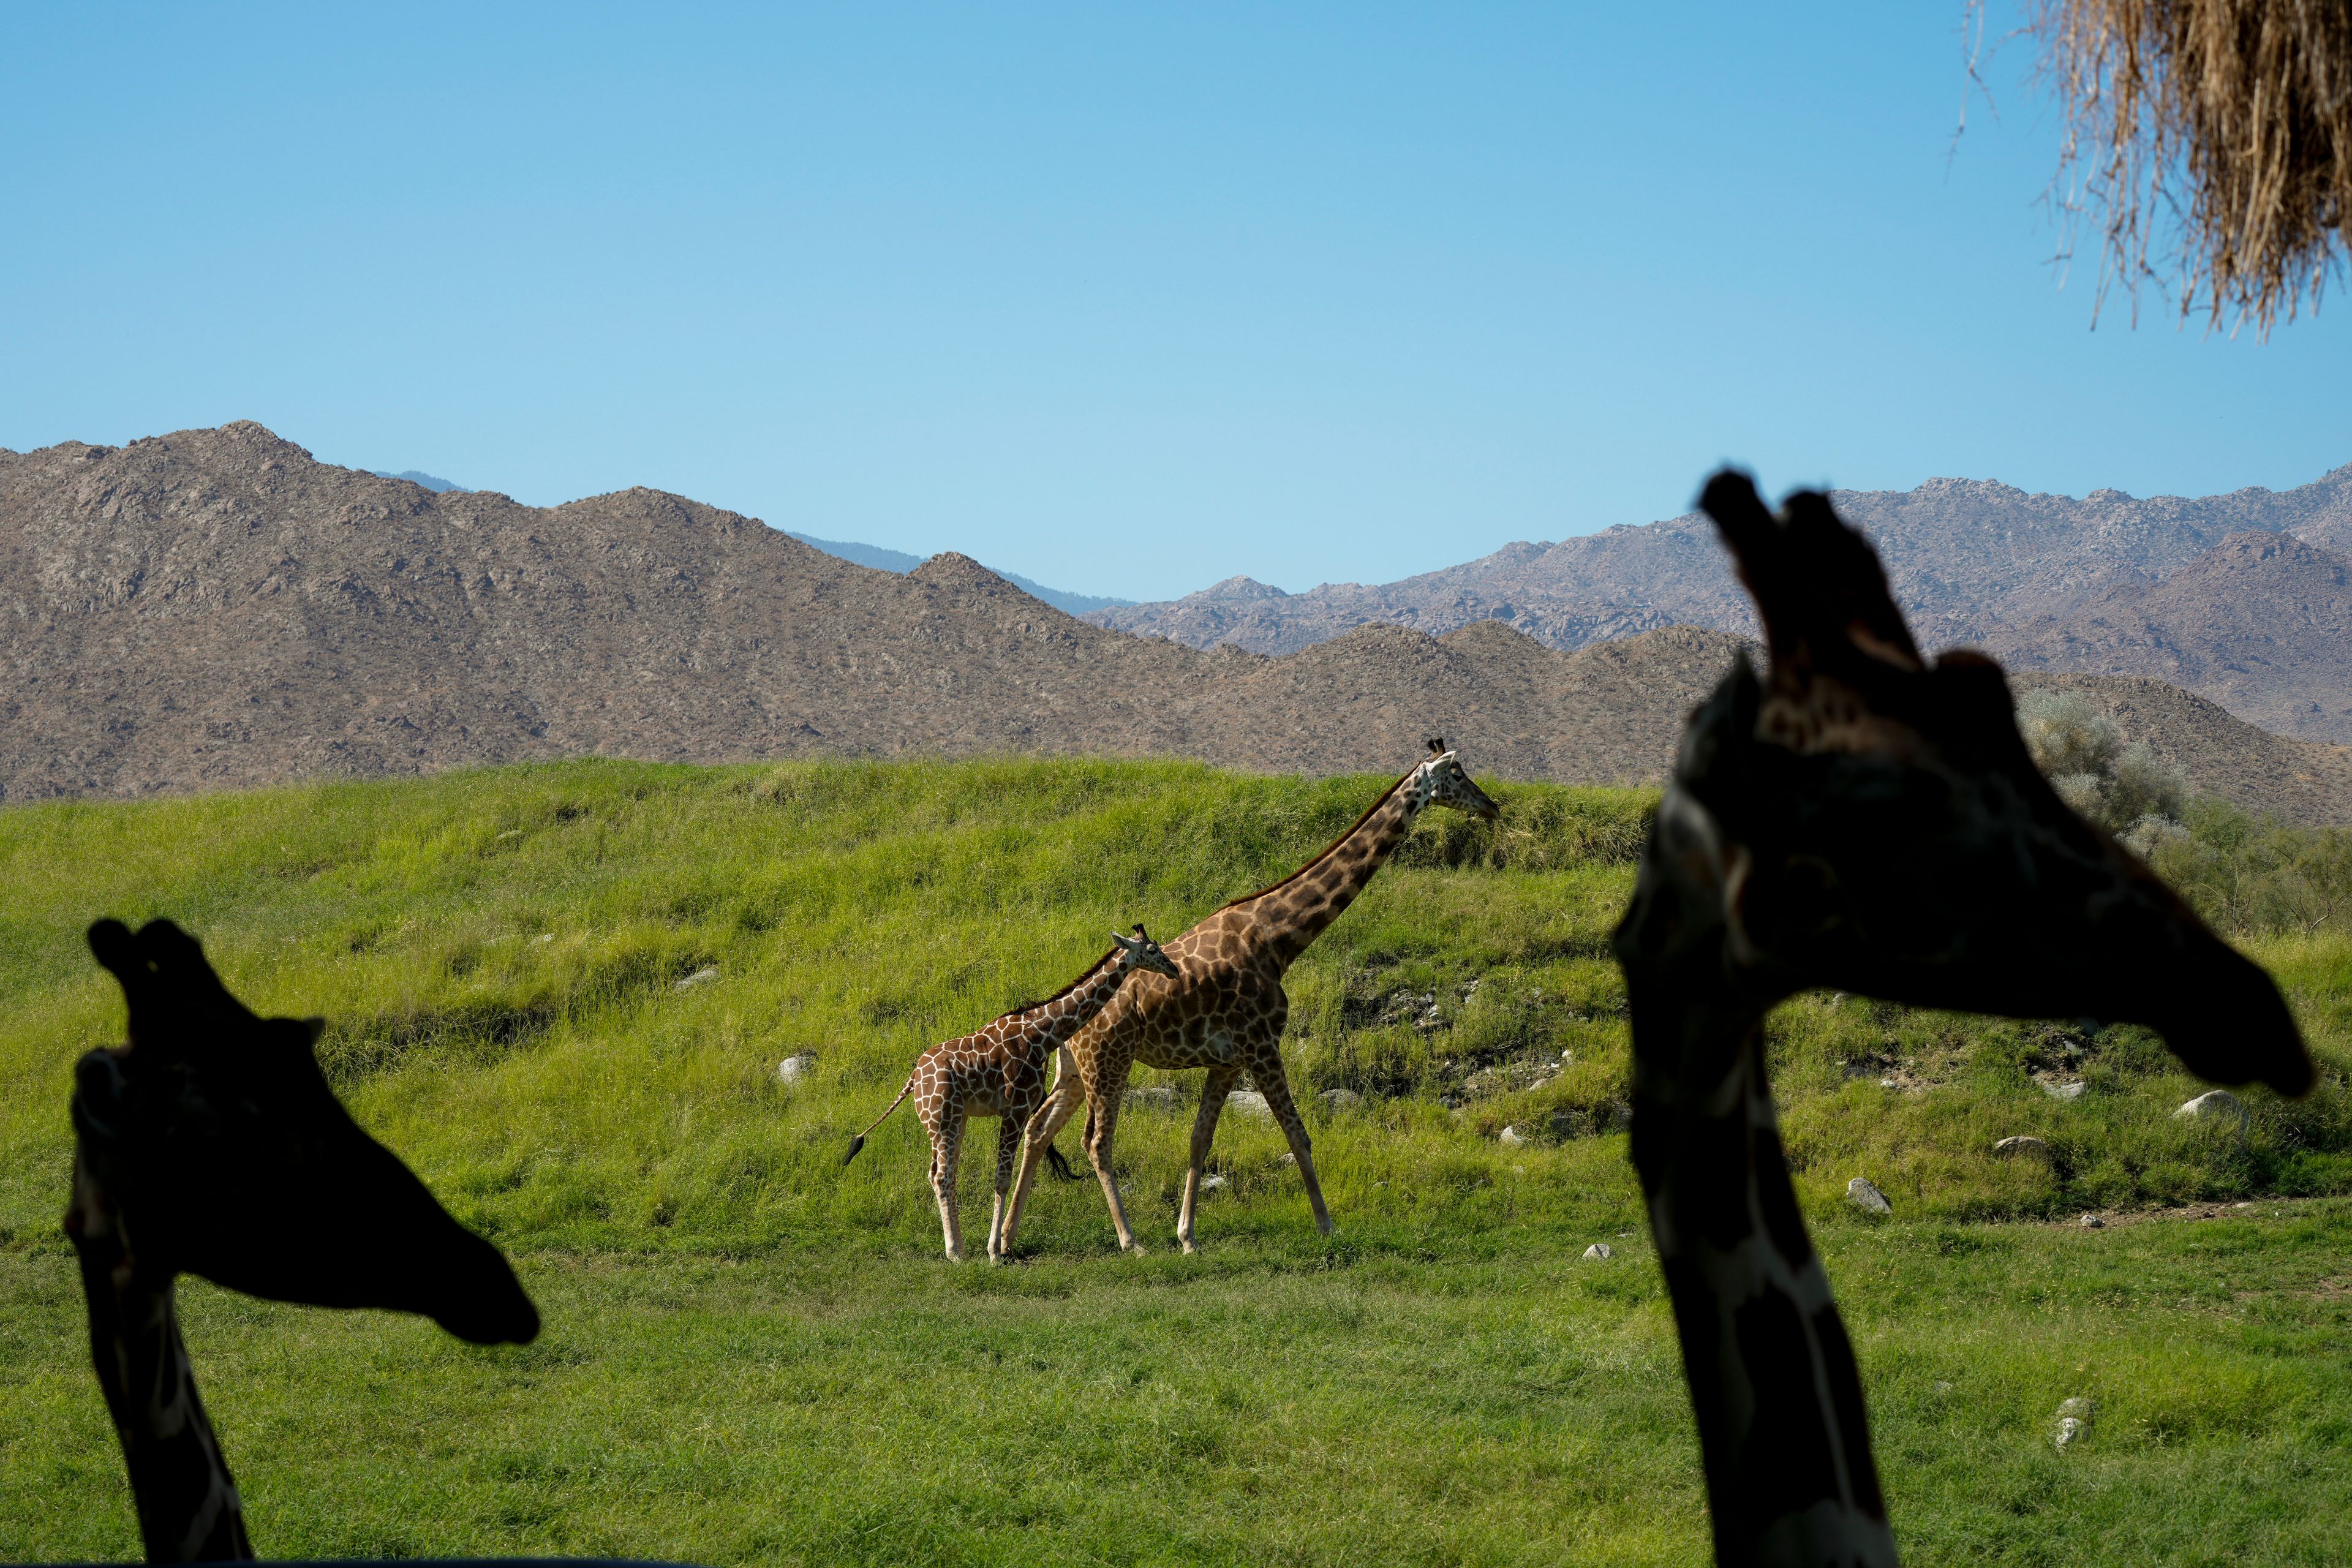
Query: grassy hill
[{"x": 753, "y": 1354}]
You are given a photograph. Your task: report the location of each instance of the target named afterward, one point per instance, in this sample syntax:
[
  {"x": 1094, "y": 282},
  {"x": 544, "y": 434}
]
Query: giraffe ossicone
[
  {"x": 1226, "y": 1008},
  {"x": 1864, "y": 819},
  {"x": 1000, "y": 1070}
]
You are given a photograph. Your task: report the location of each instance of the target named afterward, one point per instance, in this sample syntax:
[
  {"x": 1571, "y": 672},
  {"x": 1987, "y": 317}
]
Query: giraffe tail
[
  {"x": 1062, "y": 1167},
  {"x": 859, "y": 1141}
]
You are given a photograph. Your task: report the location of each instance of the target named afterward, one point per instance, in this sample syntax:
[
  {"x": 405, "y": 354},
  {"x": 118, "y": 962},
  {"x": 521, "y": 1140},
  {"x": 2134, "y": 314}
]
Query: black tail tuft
[
  {"x": 1062, "y": 1167},
  {"x": 855, "y": 1145}
]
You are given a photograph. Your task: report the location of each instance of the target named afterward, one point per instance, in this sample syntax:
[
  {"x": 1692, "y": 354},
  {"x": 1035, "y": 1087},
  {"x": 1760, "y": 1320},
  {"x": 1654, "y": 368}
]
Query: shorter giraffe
[{"x": 1000, "y": 1071}]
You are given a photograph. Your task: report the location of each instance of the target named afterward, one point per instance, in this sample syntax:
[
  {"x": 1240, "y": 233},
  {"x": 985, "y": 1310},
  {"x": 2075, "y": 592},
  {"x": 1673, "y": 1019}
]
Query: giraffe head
[
  {"x": 214, "y": 1137},
  {"x": 1441, "y": 780},
  {"x": 1140, "y": 951},
  {"x": 1864, "y": 818}
]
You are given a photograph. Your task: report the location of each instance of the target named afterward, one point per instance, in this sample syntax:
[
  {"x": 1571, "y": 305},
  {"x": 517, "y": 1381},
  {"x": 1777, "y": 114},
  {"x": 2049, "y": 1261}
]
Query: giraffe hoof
[{"x": 1189, "y": 1247}]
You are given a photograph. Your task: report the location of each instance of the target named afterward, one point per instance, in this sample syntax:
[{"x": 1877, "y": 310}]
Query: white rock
[
  {"x": 1600, "y": 1252},
  {"x": 699, "y": 977},
  {"x": 2093, "y": 1222},
  {"x": 1152, "y": 1097},
  {"x": 792, "y": 1070},
  {"x": 2080, "y": 1407},
  {"x": 1512, "y": 1140},
  {"x": 1340, "y": 1099},
  {"x": 1568, "y": 1058},
  {"x": 2021, "y": 1144},
  {"x": 2212, "y": 1106},
  {"x": 1249, "y": 1102},
  {"x": 2064, "y": 1091},
  {"x": 545, "y": 936},
  {"x": 1863, "y": 1194},
  {"x": 2068, "y": 1429},
  {"x": 1211, "y": 1184}
]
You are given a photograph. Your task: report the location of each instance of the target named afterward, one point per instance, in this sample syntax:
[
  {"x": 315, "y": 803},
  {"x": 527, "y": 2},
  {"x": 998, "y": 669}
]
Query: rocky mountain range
[
  {"x": 2237, "y": 596},
  {"x": 215, "y": 608}
]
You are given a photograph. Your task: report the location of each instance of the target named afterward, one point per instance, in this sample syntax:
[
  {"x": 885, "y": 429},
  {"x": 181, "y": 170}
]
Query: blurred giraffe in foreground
[
  {"x": 209, "y": 1143},
  {"x": 1864, "y": 819}
]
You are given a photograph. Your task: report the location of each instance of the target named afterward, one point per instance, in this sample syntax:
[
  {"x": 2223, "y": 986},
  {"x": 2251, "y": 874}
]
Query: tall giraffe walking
[
  {"x": 1000, "y": 1070},
  {"x": 1225, "y": 1010},
  {"x": 1864, "y": 819}
]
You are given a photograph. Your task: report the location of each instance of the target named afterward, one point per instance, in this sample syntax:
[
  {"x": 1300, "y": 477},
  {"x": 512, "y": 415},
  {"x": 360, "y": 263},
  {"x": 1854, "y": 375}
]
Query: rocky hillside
[
  {"x": 215, "y": 608},
  {"x": 2261, "y": 623},
  {"x": 1972, "y": 562}
]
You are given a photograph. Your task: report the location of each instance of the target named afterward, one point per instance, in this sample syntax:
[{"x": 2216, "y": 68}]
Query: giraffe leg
[
  {"x": 1266, "y": 1073},
  {"x": 1220, "y": 1083},
  {"x": 1060, "y": 1106},
  {"x": 1102, "y": 1108},
  {"x": 1008, "y": 1149},
  {"x": 947, "y": 1152}
]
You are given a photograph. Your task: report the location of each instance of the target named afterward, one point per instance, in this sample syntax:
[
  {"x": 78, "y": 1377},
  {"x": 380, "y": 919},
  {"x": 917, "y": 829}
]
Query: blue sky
[{"x": 1125, "y": 297}]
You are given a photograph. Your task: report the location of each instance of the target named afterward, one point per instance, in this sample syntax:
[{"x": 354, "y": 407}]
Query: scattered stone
[
  {"x": 1152, "y": 1097},
  {"x": 1600, "y": 1252},
  {"x": 1511, "y": 1139},
  {"x": 545, "y": 936},
  {"x": 2080, "y": 1407},
  {"x": 1336, "y": 1100},
  {"x": 2093, "y": 1222},
  {"x": 1290, "y": 1159},
  {"x": 1211, "y": 1184},
  {"x": 1568, "y": 1058},
  {"x": 1250, "y": 1102},
  {"x": 510, "y": 833},
  {"x": 1865, "y": 1196},
  {"x": 792, "y": 1070},
  {"x": 1886, "y": 1083},
  {"x": 2069, "y": 1430},
  {"x": 2214, "y": 1105},
  {"x": 2024, "y": 1144},
  {"x": 699, "y": 977},
  {"x": 2056, "y": 1091}
]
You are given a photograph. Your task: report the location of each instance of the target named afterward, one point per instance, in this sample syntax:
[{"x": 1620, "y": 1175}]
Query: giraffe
[
  {"x": 210, "y": 1144},
  {"x": 1865, "y": 819},
  {"x": 1226, "y": 1010},
  {"x": 1000, "y": 1071}
]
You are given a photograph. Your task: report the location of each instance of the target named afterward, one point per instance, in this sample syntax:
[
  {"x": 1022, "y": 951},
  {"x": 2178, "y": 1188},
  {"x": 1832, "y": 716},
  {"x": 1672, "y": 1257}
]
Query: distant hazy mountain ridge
[
  {"x": 1972, "y": 561},
  {"x": 899, "y": 561}
]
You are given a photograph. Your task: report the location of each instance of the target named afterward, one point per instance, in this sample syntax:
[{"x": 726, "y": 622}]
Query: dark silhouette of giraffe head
[
  {"x": 215, "y": 1135},
  {"x": 1878, "y": 827}
]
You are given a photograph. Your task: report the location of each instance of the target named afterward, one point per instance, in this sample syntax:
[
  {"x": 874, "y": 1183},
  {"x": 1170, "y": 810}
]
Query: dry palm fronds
[{"x": 2227, "y": 122}]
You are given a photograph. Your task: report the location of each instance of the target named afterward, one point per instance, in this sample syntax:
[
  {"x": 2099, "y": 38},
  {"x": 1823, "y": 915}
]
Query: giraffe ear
[
  {"x": 1129, "y": 943},
  {"x": 1438, "y": 745}
]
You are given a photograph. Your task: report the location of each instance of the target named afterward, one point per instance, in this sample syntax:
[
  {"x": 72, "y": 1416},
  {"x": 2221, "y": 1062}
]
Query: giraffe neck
[
  {"x": 1782, "y": 1431},
  {"x": 186, "y": 1501},
  {"x": 1289, "y": 916},
  {"x": 1053, "y": 1022}
]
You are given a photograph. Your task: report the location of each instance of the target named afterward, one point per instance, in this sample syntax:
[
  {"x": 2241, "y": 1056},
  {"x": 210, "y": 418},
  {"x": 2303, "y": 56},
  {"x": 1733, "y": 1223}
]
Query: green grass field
[{"x": 753, "y": 1354}]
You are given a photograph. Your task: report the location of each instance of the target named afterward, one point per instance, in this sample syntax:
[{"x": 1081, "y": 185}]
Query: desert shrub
[
  {"x": 2249, "y": 875},
  {"x": 2079, "y": 749}
]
